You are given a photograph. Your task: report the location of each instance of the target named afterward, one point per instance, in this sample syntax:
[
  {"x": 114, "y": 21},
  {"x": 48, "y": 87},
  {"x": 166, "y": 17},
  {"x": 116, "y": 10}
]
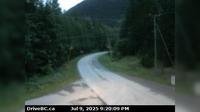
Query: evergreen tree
[{"x": 137, "y": 31}]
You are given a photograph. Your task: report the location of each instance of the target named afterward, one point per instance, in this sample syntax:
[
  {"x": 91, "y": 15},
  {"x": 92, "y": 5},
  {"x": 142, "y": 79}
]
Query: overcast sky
[{"x": 67, "y": 4}]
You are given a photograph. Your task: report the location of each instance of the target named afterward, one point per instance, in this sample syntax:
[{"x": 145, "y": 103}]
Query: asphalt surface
[
  {"x": 77, "y": 93},
  {"x": 100, "y": 86},
  {"x": 114, "y": 89}
]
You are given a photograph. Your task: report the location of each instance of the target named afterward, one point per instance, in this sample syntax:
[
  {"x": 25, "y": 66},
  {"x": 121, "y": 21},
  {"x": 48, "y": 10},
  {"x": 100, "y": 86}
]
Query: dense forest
[
  {"x": 53, "y": 37},
  {"x": 11, "y": 41},
  {"x": 187, "y": 34},
  {"x": 41, "y": 38},
  {"x": 109, "y": 12},
  {"x": 149, "y": 22}
]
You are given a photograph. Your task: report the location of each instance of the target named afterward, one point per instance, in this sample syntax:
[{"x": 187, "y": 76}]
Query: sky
[{"x": 67, "y": 4}]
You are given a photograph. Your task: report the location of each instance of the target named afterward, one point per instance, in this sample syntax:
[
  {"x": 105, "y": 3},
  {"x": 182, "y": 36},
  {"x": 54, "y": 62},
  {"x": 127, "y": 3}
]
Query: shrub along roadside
[
  {"x": 131, "y": 66},
  {"x": 15, "y": 94},
  {"x": 53, "y": 81}
]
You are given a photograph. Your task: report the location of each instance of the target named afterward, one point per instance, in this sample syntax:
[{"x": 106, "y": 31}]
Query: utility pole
[
  {"x": 155, "y": 39},
  {"x": 155, "y": 43}
]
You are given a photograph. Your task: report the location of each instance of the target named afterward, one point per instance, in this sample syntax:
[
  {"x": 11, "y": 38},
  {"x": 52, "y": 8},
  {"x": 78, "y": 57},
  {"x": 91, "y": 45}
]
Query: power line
[
  {"x": 156, "y": 27},
  {"x": 165, "y": 44}
]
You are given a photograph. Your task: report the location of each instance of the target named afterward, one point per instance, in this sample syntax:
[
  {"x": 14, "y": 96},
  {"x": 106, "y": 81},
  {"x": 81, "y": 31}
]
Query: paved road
[
  {"x": 99, "y": 86},
  {"x": 77, "y": 93},
  {"x": 116, "y": 90}
]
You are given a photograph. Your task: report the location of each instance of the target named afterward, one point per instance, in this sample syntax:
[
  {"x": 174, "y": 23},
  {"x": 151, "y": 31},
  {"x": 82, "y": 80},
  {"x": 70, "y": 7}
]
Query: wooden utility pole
[
  {"x": 156, "y": 28},
  {"x": 155, "y": 43}
]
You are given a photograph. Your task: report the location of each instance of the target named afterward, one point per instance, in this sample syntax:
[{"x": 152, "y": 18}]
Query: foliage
[
  {"x": 187, "y": 34},
  {"x": 147, "y": 61},
  {"x": 56, "y": 80},
  {"x": 53, "y": 37},
  {"x": 138, "y": 30},
  {"x": 11, "y": 41},
  {"x": 130, "y": 67},
  {"x": 101, "y": 10}
]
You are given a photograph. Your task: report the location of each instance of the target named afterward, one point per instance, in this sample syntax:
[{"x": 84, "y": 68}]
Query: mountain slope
[{"x": 106, "y": 11}]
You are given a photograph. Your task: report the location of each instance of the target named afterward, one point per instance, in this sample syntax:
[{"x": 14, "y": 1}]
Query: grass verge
[
  {"x": 55, "y": 81},
  {"x": 131, "y": 66},
  {"x": 13, "y": 95}
]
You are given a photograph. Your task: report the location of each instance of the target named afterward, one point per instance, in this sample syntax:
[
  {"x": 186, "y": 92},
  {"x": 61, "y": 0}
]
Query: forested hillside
[
  {"x": 148, "y": 32},
  {"x": 109, "y": 12},
  {"x": 53, "y": 38}
]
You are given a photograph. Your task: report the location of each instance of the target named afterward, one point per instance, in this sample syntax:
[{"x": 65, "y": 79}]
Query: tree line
[
  {"x": 144, "y": 20},
  {"x": 54, "y": 37}
]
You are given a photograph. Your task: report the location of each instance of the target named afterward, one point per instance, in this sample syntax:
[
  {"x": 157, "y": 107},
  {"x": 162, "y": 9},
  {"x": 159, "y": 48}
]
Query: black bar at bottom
[{"x": 100, "y": 108}]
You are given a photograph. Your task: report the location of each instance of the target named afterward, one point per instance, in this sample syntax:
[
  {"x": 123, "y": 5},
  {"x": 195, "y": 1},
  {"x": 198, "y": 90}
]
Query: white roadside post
[
  {"x": 173, "y": 80},
  {"x": 197, "y": 88}
]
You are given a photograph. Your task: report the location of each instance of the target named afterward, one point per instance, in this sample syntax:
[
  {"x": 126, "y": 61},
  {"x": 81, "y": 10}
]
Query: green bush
[
  {"x": 121, "y": 48},
  {"x": 147, "y": 61}
]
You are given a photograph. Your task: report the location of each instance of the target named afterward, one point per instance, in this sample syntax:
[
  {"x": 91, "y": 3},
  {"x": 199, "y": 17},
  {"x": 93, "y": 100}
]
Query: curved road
[
  {"x": 100, "y": 86},
  {"x": 116, "y": 90}
]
